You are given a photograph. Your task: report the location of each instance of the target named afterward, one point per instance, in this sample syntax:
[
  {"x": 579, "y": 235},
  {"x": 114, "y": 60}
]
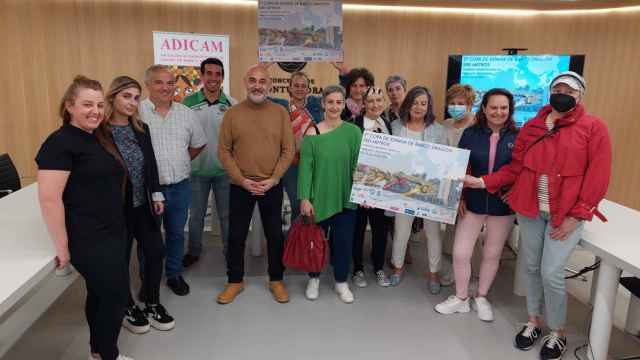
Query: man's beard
[{"x": 257, "y": 99}]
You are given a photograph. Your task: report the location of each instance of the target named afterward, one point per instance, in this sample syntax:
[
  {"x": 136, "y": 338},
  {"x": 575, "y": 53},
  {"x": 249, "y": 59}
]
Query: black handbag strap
[{"x": 548, "y": 134}]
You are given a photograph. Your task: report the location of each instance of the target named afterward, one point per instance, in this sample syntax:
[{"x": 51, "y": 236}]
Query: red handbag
[{"x": 306, "y": 247}]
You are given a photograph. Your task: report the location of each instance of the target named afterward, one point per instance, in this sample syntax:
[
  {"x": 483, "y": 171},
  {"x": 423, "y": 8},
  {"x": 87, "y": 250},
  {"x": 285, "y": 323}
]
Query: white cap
[{"x": 571, "y": 79}]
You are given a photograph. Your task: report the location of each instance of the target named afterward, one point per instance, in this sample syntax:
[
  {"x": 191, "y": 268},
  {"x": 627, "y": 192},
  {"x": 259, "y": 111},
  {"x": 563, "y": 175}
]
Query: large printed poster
[
  {"x": 526, "y": 76},
  {"x": 183, "y": 53},
  {"x": 409, "y": 176},
  {"x": 300, "y": 31}
]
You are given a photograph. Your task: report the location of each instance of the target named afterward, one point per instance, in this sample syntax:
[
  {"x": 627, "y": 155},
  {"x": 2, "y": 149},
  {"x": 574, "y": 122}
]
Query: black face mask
[{"x": 562, "y": 102}]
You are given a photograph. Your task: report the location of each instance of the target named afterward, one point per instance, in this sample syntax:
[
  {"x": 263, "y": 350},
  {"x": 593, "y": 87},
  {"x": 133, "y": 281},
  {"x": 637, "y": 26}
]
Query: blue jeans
[
  {"x": 546, "y": 259},
  {"x": 200, "y": 189},
  {"x": 339, "y": 230},
  {"x": 176, "y": 210},
  {"x": 290, "y": 183}
]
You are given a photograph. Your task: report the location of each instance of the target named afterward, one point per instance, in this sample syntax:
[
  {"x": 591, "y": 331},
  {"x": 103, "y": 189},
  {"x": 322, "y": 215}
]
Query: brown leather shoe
[
  {"x": 279, "y": 291},
  {"x": 231, "y": 290}
]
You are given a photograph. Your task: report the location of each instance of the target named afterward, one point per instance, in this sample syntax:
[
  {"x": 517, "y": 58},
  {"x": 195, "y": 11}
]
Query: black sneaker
[
  {"x": 178, "y": 286},
  {"x": 135, "y": 320},
  {"x": 553, "y": 347},
  {"x": 159, "y": 317},
  {"x": 527, "y": 337},
  {"x": 189, "y": 260}
]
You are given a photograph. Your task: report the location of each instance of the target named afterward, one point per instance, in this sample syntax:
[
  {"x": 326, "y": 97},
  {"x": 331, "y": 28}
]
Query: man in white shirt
[{"x": 177, "y": 138}]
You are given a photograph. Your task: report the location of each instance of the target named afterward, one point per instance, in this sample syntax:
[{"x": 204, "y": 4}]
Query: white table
[
  {"x": 617, "y": 243},
  {"x": 28, "y": 284}
]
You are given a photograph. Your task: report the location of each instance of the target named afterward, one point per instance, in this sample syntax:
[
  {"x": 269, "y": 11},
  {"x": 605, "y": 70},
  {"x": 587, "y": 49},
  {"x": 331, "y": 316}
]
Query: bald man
[{"x": 256, "y": 147}]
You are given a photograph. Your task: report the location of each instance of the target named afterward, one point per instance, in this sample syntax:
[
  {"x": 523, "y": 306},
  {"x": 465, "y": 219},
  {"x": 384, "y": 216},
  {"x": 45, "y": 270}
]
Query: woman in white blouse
[{"x": 417, "y": 121}]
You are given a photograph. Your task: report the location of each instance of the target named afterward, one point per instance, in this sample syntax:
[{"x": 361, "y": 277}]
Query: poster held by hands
[{"x": 409, "y": 176}]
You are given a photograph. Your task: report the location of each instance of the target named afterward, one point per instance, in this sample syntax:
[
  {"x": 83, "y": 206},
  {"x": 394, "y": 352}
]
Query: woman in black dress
[{"x": 81, "y": 181}]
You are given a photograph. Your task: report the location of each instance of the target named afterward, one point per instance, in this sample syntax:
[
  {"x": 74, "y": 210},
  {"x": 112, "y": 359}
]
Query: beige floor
[{"x": 382, "y": 323}]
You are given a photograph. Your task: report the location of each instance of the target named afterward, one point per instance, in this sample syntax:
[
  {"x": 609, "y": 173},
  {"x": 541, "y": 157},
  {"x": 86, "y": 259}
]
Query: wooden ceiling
[{"x": 507, "y": 4}]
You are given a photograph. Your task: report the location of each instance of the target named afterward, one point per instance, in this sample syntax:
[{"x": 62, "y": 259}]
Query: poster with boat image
[{"x": 409, "y": 176}]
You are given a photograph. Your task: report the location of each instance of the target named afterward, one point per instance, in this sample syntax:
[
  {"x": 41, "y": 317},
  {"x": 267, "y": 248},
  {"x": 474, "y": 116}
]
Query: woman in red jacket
[{"x": 560, "y": 169}]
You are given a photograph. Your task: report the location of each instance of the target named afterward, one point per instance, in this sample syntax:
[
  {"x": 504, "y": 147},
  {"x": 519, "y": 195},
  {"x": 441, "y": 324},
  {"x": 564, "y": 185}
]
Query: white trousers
[{"x": 401, "y": 238}]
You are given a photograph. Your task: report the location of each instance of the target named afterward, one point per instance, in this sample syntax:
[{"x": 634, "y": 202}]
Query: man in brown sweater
[{"x": 256, "y": 147}]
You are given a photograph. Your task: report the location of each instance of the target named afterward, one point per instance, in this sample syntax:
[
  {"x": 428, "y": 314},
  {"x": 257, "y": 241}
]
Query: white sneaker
[
  {"x": 483, "y": 307},
  {"x": 313, "y": 289},
  {"x": 453, "y": 305},
  {"x": 344, "y": 293},
  {"x": 359, "y": 279}
]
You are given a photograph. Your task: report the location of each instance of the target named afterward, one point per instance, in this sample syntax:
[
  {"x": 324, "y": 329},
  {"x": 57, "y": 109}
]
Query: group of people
[{"x": 120, "y": 167}]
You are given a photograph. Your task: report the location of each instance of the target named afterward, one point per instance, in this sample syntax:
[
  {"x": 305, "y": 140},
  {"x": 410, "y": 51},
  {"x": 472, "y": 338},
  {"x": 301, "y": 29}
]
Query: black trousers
[
  {"x": 379, "y": 230},
  {"x": 100, "y": 260},
  {"x": 241, "y": 205},
  {"x": 143, "y": 227}
]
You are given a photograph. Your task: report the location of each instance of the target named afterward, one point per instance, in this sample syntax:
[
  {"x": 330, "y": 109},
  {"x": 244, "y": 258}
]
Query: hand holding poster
[
  {"x": 409, "y": 176},
  {"x": 300, "y": 31}
]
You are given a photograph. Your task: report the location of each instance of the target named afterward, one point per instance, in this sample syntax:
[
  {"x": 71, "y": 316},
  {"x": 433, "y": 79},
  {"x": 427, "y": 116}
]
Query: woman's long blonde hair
[{"x": 119, "y": 84}]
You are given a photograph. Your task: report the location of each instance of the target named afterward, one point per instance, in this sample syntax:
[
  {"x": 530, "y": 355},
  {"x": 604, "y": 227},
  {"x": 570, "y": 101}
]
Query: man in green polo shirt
[{"x": 209, "y": 105}]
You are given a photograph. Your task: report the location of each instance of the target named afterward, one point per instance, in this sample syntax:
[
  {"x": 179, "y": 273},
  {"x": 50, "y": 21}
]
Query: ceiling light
[{"x": 449, "y": 10}]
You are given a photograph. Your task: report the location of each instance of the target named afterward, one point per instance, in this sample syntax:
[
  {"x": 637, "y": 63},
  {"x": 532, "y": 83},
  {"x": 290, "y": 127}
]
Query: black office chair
[{"x": 9, "y": 178}]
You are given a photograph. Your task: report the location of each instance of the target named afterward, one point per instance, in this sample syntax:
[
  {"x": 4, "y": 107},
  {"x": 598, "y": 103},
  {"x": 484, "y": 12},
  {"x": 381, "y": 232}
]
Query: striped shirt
[{"x": 543, "y": 182}]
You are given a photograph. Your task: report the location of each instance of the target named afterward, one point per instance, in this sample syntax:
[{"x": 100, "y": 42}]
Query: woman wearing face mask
[
  {"x": 490, "y": 141},
  {"x": 417, "y": 121},
  {"x": 144, "y": 200},
  {"x": 371, "y": 120},
  {"x": 459, "y": 99},
  {"x": 328, "y": 159},
  {"x": 81, "y": 181},
  {"x": 560, "y": 170}
]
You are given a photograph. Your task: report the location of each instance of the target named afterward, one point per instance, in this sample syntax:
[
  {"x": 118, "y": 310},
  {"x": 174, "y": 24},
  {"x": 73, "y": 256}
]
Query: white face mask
[{"x": 457, "y": 112}]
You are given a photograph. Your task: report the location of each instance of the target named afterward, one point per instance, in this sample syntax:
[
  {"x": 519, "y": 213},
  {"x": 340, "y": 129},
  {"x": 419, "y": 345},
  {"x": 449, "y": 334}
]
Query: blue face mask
[{"x": 457, "y": 112}]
